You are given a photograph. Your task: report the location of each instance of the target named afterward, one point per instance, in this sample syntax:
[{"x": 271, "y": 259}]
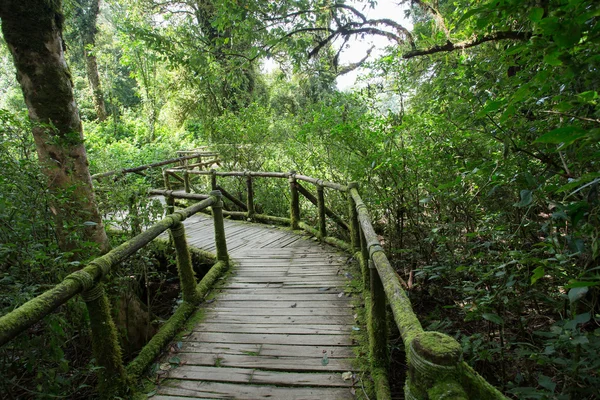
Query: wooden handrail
[{"x": 148, "y": 166}]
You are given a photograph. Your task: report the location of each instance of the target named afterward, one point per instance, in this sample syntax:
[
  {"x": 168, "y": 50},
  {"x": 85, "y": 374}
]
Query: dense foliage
[{"x": 474, "y": 138}]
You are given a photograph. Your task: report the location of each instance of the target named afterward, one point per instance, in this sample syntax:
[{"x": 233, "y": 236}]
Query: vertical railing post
[
  {"x": 112, "y": 379},
  {"x": 199, "y": 161},
  {"x": 434, "y": 370},
  {"x": 220, "y": 239},
  {"x": 378, "y": 333},
  {"x": 353, "y": 214},
  {"x": 187, "y": 278},
  {"x": 294, "y": 201},
  {"x": 321, "y": 210},
  {"x": 250, "y": 195},
  {"x": 186, "y": 180},
  {"x": 364, "y": 265},
  {"x": 213, "y": 179},
  {"x": 170, "y": 200},
  {"x": 166, "y": 180}
]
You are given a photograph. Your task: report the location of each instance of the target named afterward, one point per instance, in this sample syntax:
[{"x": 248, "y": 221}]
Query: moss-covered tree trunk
[
  {"x": 33, "y": 31},
  {"x": 88, "y": 33}
]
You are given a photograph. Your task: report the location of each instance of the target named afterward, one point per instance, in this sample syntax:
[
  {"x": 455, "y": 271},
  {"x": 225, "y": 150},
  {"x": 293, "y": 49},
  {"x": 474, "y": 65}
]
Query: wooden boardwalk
[{"x": 280, "y": 325}]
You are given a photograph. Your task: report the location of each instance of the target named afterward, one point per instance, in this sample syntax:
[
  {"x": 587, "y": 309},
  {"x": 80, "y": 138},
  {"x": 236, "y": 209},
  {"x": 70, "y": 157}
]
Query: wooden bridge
[{"x": 280, "y": 324}]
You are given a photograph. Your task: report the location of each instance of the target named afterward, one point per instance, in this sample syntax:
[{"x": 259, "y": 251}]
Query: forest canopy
[{"x": 474, "y": 135}]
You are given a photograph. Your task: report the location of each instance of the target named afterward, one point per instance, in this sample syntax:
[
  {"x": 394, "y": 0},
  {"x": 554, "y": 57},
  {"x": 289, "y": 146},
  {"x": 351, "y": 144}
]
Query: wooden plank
[
  {"x": 277, "y": 297},
  {"x": 256, "y": 376},
  {"x": 282, "y": 290},
  {"x": 266, "y": 362},
  {"x": 273, "y": 350},
  {"x": 280, "y": 285},
  {"x": 315, "y": 329},
  {"x": 283, "y": 279},
  {"x": 216, "y": 390},
  {"x": 259, "y": 338},
  {"x": 243, "y": 304},
  {"x": 223, "y": 308},
  {"x": 228, "y": 318}
]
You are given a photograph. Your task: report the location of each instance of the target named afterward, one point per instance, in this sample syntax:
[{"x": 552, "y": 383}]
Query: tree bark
[
  {"x": 89, "y": 17},
  {"x": 33, "y": 31}
]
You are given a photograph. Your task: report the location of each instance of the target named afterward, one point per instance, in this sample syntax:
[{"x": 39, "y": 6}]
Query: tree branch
[
  {"x": 351, "y": 67},
  {"x": 449, "y": 46}
]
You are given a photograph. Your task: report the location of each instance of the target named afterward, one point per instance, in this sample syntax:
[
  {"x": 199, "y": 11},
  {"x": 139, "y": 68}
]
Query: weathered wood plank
[
  {"x": 258, "y": 338},
  {"x": 225, "y": 308},
  {"x": 270, "y": 329},
  {"x": 283, "y": 297},
  {"x": 215, "y": 390},
  {"x": 228, "y": 318},
  {"x": 273, "y": 350},
  {"x": 256, "y": 376},
  {"x": 267, "y": 362},
  {"x": 279, "y": 304}
]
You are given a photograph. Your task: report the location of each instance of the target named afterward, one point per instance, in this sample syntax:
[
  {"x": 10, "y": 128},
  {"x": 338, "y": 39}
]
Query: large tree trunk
[
  {"x": 88, "y": 34},
  {"x": 33, "y": 31}
]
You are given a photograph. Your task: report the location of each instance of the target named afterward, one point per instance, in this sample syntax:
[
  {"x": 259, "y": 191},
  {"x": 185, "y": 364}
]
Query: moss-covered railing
[
  {"x": 435, "y": 366},
  {"x": 115, "y": 379},
  {"x": 183, "y": 160}
]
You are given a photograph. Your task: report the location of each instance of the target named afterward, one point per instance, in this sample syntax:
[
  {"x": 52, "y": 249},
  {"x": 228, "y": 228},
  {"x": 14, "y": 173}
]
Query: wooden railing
[
  {"x": 434, "y": 359},
  {"x": 435, "y": 366},
  {"x": 114, "y": 378}
]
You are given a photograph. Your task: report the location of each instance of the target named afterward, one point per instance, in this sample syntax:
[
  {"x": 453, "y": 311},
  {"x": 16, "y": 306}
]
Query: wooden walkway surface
[{"x": 280, "y": 325}]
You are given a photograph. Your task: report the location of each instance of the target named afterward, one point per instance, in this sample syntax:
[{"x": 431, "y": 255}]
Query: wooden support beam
[
  {"x": 249, "y": 196},
  {"x": 220, "y": 239},
  {"x": 143, "y": 167},
  {"x": 321, "y": 212},
  {"x": 232, "y": 198},
  {"x": 294, "y": 201},
  {"x": 328, "y": 211}
]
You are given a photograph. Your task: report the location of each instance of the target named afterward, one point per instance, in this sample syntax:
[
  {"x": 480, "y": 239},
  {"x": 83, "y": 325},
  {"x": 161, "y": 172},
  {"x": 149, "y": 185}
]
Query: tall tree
[
  {"x": 47, "y": 87},
  {"x": 86, "y": 16}
]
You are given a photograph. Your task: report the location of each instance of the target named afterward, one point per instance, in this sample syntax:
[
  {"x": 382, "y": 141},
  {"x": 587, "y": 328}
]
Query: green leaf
[
  {"x": 175, "y": 360},
  {"x": 537, "y": 274},
  {"x": 526, "y": 199},
  {"x": 567, "y": 37},
  {"x": 536, "y": 14},
  {"x": 566, "y": 135},
  {"x": 493, "y": 105},
  {"x": 495, "y": 318},
  {"x": 90, "y": 223},
  {"x": 576, "y": 284},
  {"x": 470, "y": 13},
  {"x": 588, "y": 96},
  {"x": 546, "y": 383},
  {"x": 577, "y": 293},
  {"x": 553, "y": 59}
]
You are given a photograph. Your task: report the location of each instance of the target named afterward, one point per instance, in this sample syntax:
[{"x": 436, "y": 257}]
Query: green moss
[
  {"x": 187, "y": 278},
  {"x": 112, "y": 380},
  {"x": 438, "y": 348},
  {"x": 476, "y": 386},
  {"x": 174, "y": 324},
  {"x": 447, "y": 390},
  {"x": 153, "y": 348}
]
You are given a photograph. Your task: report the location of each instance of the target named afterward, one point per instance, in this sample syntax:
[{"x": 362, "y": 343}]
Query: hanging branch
[{"x": 449, "y": 46}]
